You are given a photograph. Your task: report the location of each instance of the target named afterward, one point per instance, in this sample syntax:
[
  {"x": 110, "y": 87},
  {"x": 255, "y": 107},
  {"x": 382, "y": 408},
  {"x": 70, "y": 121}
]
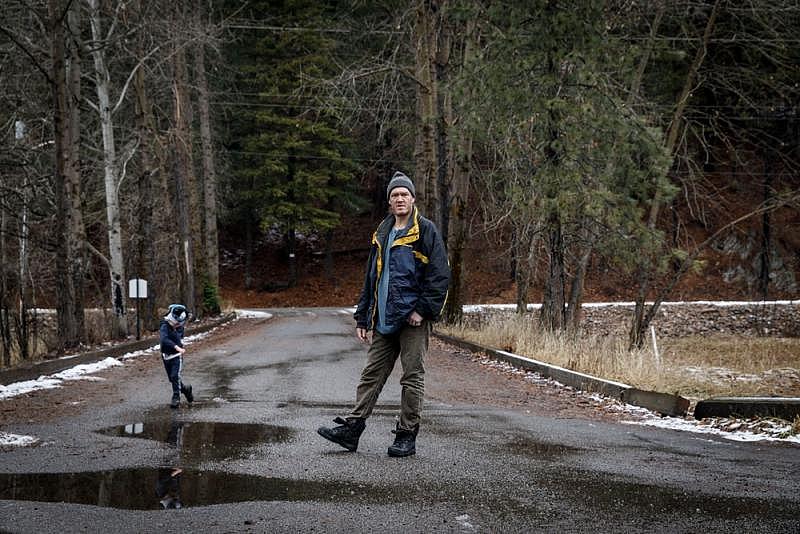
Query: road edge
[
  {"x": 46, "y": 367},
  {"x": 662, "y": 403}
]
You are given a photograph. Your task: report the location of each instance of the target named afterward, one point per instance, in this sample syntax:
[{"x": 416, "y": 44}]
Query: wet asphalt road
[{"x": 251, "y": 460}]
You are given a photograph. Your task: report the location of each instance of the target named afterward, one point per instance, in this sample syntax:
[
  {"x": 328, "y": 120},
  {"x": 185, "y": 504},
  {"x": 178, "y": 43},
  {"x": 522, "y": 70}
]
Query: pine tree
[
  {"x": 296, "y": 165},
  {"x": 574, "y": 163}
]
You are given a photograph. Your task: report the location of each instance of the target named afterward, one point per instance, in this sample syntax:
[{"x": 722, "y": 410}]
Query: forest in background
[{"x": 568, "y": 135}]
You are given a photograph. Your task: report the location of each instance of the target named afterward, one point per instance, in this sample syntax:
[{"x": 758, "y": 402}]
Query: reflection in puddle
[
  {"x": 168, "y": 487},
  {"x": 151, "y": 489},
  {"x": 201, "y": 441}
]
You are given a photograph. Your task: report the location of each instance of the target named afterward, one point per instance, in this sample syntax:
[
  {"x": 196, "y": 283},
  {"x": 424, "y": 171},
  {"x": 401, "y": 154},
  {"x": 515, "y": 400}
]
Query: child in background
[{"x": 172, "y": 350}]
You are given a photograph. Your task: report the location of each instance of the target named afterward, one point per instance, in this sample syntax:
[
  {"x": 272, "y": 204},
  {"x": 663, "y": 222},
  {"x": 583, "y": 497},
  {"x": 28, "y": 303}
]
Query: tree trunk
[
  {"x": 71, "y": 252},
  {"x": 444, "y": 119},
  {"x": 291, "y": 248},
  {"x": 211, "y": 247},
  {"x": 248, "y": 252},
  {"x": 458, "y": 193},
  {"x": 5, "y": 294},
  {"x": 425, "y": 151},
  {"x": 153, "y": 198},
  {"x": 552, "y": 317},
  {"x": 184, "y": 173},
  {"x": 150, "y": 176},
  {"x": 102, "y": 80},
  {"x": 330, "y": 274},
  {"x": 291, "y": 229},
  {"x": 456, "y": 247},
  {"x": 23, "y": 321},
  {"x": 765, "y": 255},
  {"x": 525, "y": 270},
  {"x": 575, "y": 306}
]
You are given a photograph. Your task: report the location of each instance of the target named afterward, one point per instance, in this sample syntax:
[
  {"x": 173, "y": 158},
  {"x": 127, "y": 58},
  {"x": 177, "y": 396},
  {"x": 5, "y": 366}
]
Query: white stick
[{"x": 655, "y": 345}]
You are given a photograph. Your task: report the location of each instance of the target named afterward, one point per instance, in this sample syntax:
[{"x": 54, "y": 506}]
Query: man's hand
[
  {"x": 180, "y": 349},
  {"x": 361, "y": 333},
  {"x": 414, "y": 319}
]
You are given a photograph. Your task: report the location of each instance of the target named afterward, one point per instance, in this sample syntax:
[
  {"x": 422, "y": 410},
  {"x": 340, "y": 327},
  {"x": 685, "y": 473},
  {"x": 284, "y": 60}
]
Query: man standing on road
[{"x": 405, "y": 289}]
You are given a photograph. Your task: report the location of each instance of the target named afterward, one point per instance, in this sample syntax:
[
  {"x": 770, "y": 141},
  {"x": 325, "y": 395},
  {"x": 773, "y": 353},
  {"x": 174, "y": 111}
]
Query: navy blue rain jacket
[
  {"x": 170, "y": 337},
  {"x": 419, "y": 270}
]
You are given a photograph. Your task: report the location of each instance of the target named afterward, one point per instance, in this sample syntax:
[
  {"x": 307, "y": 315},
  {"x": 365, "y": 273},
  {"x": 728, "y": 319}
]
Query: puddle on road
[
  {"x": 539, "y": 449},
  {"x": 198, "y": 441},
  {"x": 160, "y": 488}
]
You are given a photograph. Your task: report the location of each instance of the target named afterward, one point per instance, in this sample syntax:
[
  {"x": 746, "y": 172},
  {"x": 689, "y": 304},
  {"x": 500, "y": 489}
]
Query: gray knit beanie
[{"x": 400, "y": 180}]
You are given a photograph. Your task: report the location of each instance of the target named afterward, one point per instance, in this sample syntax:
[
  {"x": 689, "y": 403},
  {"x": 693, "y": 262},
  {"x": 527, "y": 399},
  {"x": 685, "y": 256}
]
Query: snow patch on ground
[
  {"x": 19, "y": 388},
  {"x": 79, "y": 372},
  {"x": 137, "y": 353},
  {"x": 728, "y": 428},
  {"x": 252, "y": 314},
  {"x": 16, "y": 440}
]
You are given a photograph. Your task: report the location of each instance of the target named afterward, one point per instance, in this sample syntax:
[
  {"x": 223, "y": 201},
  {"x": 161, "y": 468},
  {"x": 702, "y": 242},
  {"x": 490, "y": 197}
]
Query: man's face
[{"x": 401, "y": 201}]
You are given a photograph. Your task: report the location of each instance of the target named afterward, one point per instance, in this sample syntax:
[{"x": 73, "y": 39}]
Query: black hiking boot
[
  {"x": 405, "y": 442},
  {"x": 346, "y": 434},
  {"x": 176, "y": 400},
  {"x": 186, "y": 389}
]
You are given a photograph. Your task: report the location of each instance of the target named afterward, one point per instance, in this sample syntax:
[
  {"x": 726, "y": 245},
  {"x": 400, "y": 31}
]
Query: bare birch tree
[{"x": 111, "y": 166}]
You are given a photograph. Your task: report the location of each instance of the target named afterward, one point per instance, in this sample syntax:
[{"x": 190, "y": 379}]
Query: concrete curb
[
  {"x": 783, "y": 407},
  {"x": 662, "y": 403},
  {"x": 47, "y": 367}
]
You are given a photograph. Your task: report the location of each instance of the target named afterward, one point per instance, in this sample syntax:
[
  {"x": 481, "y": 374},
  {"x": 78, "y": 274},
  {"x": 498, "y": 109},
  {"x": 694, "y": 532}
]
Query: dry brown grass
[
  {"x": 695, "y": 367},
  {"x": 735, "y": 365}
]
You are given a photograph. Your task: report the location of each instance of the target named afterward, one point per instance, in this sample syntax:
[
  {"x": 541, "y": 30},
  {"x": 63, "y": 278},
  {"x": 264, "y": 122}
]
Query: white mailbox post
[{"x": 137, "y": 289}]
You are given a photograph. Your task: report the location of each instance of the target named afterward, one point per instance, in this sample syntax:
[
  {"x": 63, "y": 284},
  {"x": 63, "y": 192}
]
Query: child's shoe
[{"x": 186, "y": 389}]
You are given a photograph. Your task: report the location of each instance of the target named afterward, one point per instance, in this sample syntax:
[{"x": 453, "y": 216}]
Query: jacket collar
[{"x": 408, "y": 234}]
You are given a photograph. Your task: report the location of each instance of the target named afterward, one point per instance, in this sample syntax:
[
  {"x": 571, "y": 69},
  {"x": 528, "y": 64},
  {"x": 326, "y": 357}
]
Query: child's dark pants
[{"x": 173, "y": 367}]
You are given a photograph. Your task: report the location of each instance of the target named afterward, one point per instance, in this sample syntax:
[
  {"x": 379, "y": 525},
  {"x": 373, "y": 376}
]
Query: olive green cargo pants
[{"x": 410, "y": 344}]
